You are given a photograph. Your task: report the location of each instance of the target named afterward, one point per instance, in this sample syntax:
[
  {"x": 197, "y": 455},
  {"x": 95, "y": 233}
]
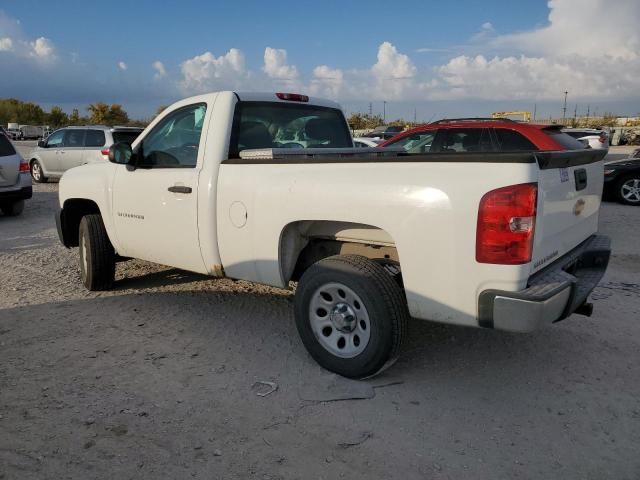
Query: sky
[{"x": 424, "y": 58}]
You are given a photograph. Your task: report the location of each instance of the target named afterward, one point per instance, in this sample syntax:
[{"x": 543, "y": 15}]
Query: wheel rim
[
  {"x": 35, "y": 170},
  {"x": 339, "y": 320},
  {"x": 630, "y": 190}
]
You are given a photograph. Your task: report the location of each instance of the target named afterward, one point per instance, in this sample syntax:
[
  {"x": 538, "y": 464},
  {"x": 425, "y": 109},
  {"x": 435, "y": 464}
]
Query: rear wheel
[
  {"x": 351, "y": 315},
  {"x": 97, "y": 257},
  {"x": 628, "y": 189},
  {"x": 37, "y": 173},
  {"x": 13, "y": 209}
]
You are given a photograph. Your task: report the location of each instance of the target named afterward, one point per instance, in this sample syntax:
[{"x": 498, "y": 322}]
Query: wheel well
[
  {"x": 304, "y": 243},
  {"x": 73, "y": 211}
]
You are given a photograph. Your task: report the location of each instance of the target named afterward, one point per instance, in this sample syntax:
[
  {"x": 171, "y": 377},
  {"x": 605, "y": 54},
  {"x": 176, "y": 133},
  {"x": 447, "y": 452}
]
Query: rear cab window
[
  {"x": 6, "y": 148},
  {"x": 287, "y": 125}
]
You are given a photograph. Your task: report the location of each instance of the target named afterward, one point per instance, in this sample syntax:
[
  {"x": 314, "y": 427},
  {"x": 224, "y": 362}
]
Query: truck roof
[{"x": 261, "y": 97}]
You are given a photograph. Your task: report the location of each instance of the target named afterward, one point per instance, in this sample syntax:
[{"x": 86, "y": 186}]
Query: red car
[{"x": 483, "y": 135}]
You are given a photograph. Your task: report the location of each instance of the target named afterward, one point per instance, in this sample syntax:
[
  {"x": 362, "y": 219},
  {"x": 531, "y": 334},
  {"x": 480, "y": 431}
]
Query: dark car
[
  {"x": 385, "y": 131},
  {"x": 622, "y": 179},
  {"x": 483, "y": 135}
]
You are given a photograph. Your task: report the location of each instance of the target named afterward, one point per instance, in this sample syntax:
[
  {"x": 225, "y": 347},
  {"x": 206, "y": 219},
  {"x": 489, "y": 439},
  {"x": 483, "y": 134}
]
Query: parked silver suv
[
  {"x": 15, "y": 184},
  {"x": 74, "y": 146}
]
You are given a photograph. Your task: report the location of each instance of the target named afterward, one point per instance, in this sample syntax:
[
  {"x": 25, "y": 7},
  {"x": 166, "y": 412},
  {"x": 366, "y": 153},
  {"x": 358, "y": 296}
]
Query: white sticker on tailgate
[{"x": 564, "y": 175}]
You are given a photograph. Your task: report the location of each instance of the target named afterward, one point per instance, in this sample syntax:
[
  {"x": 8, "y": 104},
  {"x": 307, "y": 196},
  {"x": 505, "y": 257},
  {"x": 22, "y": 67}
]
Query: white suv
[
  {"x": 74, "y": 146},
  {"x": 589, "y": 137},
  {"x": 15, "y": 184}
]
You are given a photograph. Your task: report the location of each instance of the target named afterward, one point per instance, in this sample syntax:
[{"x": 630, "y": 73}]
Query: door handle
[
  {"x": 581, "y": 179},
  {"x": 180, "y": 189}
]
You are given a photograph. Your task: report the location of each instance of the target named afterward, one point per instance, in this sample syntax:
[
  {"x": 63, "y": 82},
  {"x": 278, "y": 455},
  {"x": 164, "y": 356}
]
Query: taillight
[
  {"x": 24, "y": 166},
  {"x": 506, "y": 221},
  {"x": 292, "y": 97},
  {"x": 105, "y": 151},
  {"x": 603, "y": 138}
]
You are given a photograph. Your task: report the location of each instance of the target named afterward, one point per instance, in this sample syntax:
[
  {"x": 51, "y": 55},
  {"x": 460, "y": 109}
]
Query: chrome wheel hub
[
  {"x": 339, "y": 320},
  {"x": 631, "y": 190}
]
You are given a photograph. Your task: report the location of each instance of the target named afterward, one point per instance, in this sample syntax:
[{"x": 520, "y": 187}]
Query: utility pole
[
  {"x": 588, "y": 107},
  {"x": 564, "y": 108},
  {"x": 384, "y": 111},
  {"x": 415, "y": 116},
  {"x": 535, "y": 107},
  {"x": 575, "y": 115},
  {"x": 370, "y": 108}
]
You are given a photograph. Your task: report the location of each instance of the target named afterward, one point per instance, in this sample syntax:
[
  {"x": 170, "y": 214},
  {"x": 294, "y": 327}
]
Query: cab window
[
  {"x": 95, "y": 138},
  {"x": 73, "y": 138},
  {"x": 511, "y": 141},
  {"x": 55, "y": 139},
  {"x": 174, "y": 142},
  {"x": 465, "y": 140},
  {"x": 420, "y": 142}
]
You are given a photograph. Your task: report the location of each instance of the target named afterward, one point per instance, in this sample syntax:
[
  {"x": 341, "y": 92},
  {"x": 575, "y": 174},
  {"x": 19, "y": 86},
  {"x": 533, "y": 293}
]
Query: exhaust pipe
[{"x": 585, "y": 309}]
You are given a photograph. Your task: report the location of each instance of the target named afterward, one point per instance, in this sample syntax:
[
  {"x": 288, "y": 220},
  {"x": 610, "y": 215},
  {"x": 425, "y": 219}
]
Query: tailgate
[{"x": 569, "y": 192}]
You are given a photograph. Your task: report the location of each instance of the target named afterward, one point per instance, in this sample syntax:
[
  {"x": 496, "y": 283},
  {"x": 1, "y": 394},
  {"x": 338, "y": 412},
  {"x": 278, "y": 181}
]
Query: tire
[
  {"x": 36, "y": 172},
  {"x": 372, "y": 325},
  {"x": 628, "y": 189},
  {"x": 97, "y": 257},
  {"x": 13, "y": 209}
]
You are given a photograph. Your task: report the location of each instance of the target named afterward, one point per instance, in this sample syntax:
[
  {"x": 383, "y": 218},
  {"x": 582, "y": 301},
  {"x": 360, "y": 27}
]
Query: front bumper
[
  {"x": 552, "y": 294},
  {"x": 15, "y": 194}
]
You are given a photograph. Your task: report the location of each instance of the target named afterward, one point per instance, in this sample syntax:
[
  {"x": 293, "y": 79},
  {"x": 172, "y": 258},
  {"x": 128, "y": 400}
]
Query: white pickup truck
[{"x": 268, "y": 188}]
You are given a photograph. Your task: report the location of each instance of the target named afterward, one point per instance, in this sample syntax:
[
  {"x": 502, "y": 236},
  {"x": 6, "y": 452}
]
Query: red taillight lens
[
  {"x": 506, "y": 221},
  {"x": 292, "y": 97},
  {"x": 24, "y": 166},
  {"x": 105, "y": 151}
]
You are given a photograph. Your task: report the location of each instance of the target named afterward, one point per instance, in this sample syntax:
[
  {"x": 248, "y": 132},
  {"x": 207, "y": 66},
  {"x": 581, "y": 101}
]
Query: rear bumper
[
  {"x": 552, "y": 294},
  {"x": 15, "y": 194}
]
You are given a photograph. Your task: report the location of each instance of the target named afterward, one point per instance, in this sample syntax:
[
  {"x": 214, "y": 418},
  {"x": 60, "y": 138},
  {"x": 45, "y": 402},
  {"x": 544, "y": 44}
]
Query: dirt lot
[{"x": 156, "y": 379}]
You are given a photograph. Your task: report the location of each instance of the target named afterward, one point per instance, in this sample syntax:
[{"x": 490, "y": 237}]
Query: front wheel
[
  {"x": 13, "y": 209},
  {"x": 351, "y": 315},
  {"x": 97, "y": 257},
  {"x": 628, "y": 189}
]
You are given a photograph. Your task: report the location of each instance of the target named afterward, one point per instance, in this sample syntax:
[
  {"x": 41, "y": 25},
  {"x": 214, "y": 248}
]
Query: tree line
[
  {"x": 365, "y": 121},
  {"x": 98, "y": 113}
]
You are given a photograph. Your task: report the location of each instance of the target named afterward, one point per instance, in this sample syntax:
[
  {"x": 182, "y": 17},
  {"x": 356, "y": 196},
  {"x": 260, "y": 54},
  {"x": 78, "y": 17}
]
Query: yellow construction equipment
[{"x": 526, "y": 116}]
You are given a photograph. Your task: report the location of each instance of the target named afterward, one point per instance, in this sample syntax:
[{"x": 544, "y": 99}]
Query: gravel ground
[{"x": 157, "y": 379}]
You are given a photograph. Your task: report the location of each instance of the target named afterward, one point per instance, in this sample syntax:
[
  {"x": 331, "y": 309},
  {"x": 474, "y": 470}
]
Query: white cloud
[
  {"x": 587, "y": 28},
  {"x": 588, "y": 48},
  {"x": 42, "y": 48},
  {"x": 207, "y": 72},
  {"x": 161, "y": 72},
  {"x": 6, "y": 44},
  {"x": 122, "y": 66},
  {"x": 326, "y": 81},
  {"x": 393, "y": 73},
  {"x": 275, "y": 65}
]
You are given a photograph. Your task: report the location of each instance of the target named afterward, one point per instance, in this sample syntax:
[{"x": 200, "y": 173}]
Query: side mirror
[
  {"x": 120, "y": 153},
  {"x": 42, "y": 144}
]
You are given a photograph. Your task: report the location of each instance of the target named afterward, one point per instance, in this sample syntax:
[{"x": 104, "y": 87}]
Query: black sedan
[{"x": 622, "y": 179}]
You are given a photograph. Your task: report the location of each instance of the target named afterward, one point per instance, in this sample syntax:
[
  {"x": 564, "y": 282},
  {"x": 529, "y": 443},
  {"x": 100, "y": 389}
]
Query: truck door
[{"x": 155, "y": 205}]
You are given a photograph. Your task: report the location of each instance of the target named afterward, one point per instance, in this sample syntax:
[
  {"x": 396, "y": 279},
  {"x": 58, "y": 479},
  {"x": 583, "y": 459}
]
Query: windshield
[{"x": 284, "y": 125}]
